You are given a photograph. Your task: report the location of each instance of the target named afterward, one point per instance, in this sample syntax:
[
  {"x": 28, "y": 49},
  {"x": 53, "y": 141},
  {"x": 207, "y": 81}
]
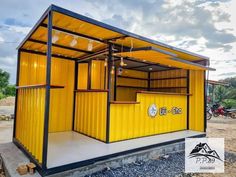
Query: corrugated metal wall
[
  {"x": 90, "y": 115},
  {"x": 97, "y": 75},
  {"x": 169, "y": 81},
  {"x": 196, "y": 101},
  {"x": 61, "y": 99},
  {"x": 126, "y": 90},
  {"x": 30, "y": 120},
  {"x": 131, "y": 120},
  {"x": 32, "y": 69},
  {"x": 82, "y": 76}
]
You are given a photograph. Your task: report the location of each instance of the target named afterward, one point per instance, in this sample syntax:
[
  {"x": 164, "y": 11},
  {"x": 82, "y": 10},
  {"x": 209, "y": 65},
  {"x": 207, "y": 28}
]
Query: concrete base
[
  {"x": 12, "y": 157},
  {"x": 119, "y": 161}
]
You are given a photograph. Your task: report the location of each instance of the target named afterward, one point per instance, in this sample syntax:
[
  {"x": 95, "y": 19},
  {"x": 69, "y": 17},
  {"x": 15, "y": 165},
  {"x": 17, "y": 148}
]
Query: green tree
[
  {"x": 4, "y": 80},
  {"x": 10, "y": 90},
  {"x": 220, "y": 93}
]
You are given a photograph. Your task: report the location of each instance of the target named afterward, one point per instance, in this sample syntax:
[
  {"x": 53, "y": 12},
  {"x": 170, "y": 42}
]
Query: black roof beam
[{"x": 61, "y": 46}]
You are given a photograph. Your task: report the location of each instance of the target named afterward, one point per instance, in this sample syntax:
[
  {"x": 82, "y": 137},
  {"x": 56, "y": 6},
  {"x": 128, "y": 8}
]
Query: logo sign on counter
[{"x": 152, "y": 110}]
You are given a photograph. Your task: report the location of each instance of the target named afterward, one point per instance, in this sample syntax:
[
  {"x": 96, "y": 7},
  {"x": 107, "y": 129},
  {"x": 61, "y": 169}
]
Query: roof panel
[{"x": 157, "y": 56}]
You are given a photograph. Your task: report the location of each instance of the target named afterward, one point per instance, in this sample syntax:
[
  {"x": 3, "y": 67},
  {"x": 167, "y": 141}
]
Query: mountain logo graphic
[{"x": 204, "y": 150}]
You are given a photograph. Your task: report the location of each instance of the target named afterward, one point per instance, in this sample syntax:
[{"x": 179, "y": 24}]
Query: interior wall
[
  {"x": 61, "y": 99},
  {"x": 98, "y": 75},
  {"x": 196, "y": 100},
  {"x": 32, "y": 69},
  {"x": 82, "y": 76},
  {"x": 169, "y": 81},
  {"x": 129, "y": 82}
]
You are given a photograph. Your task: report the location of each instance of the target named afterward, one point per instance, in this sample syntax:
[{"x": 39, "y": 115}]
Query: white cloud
[{"x": 207, "y": 27}]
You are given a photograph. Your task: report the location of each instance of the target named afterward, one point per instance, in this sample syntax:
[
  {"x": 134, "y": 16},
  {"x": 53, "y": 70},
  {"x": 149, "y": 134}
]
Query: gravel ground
[{"x": 163, "y": 167}]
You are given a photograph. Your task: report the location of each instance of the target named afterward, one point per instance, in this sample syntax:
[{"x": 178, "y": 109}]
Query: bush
[{"x": 229, "y": 103}]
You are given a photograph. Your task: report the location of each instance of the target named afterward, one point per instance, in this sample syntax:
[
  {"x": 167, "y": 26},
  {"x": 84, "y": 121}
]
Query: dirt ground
[{"x": 222, "y": 127}]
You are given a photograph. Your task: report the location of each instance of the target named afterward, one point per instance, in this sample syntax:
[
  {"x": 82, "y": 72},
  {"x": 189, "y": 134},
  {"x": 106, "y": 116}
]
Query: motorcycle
[
  {"x": 209, "y": 112},
  {"x": 218, "y": 110}
]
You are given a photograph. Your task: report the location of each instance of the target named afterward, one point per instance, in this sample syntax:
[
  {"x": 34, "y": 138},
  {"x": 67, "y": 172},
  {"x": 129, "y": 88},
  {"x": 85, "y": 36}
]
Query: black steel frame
[{"x": 42, "y": 168}]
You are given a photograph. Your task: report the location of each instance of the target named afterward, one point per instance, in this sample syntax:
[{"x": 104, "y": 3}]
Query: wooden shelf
[
  {"x": 169, "y": 78},
  {"x": 126, "y": 86},
  {"x": 166, "y": 87},
  {"x": 164, "y": 93},
  {"x": 124, "y": 102},
  {"x": 92, "y": 90},
  {"x": 39, "y": 86},
  {"x": 136, "y": 78}
]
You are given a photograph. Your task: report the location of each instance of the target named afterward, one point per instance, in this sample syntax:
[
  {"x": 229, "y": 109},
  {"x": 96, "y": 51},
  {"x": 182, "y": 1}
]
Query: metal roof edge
[
  {"x": 124, "y": 32},
  {"x": 35, "y": 26}
]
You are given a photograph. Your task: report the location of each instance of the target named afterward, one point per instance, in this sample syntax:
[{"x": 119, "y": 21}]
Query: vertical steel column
[
  {"x": 89, "y": 74},
  {"x": 205, "y": 102},
  {"x": 47, "y": 95},
  {"x": 109, "y": 67},
  {"x": 115, "y": 83},
  {"x": 75, "y": 88},
  {"x": 16, "y": 98},
  {"x": 188, "y": 99}
]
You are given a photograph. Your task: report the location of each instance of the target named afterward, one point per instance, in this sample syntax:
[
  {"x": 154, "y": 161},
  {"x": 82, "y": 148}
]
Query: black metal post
[
  {"x": 16, "y": 98},
  {"x": 109, "y": 67},
  {"x": 75, "y": 88},
  {"x": 89, "y": 74},
  {"x": 187, "y": 99},
  {"x": 205, "y": 102},
  {"x": 115, "y": 83},
  {"x": 47, "y": 95}
]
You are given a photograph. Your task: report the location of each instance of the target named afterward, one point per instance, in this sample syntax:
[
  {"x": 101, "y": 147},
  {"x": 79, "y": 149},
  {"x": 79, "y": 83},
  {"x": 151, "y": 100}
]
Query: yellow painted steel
[
  {"x": 90, "y": 114},
  {"x": 61, "y": 99},
  {"x": 196, "y": 101},
  {"x": 30, "y": 120},
  {"x": 161, "y": 58},
  {"x": 131, "y": 120},
  {"x": 97, "y": 75},
  {"x": 82, "y": 76},
  {"x": 129, "y": 94},
  {"x": 176, "y": 81},
  {"x": 33, "y": 69}
]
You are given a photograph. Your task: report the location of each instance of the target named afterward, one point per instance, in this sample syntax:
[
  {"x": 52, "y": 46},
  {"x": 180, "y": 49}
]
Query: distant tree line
[
  {"x": 226, "y": 95},
  {"x": 5, "y": 88}
]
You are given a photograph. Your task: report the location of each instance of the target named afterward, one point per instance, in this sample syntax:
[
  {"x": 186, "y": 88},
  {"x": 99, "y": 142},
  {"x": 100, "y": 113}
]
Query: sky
[{"x": 205, "y": 27}]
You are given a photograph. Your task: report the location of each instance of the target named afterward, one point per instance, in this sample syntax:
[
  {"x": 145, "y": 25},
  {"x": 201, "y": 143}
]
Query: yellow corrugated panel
[
  {"x": 174, "y": 82},
  {"x": 131, "y": 120},
  {"x": 83, "y": 76},
  {"x": 196, "y": 101},
  {"x": 129, "y": 94},
  {"x": 29, "y": 122},
  {"x": 33, "y": 69},
  {"x": 61, "y": 99},
  {"x": 90, "y": 115},
  {"x": 97, "y": 75}
]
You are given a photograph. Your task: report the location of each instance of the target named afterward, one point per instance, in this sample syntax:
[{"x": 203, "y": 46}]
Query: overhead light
[
  {"x": 90, "y": 45},
  {"x": 150, "y": 69},
  {"x": 144, "y": 60},
  {"x": 55, "y": 37},
  {"x": 113, "y": 70},
  {"x": 73, "y": 42},
  {"x": 169, "y": 65},
  {"x": 105, "y": 63},
  {"x": 122, "y": 62}
]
